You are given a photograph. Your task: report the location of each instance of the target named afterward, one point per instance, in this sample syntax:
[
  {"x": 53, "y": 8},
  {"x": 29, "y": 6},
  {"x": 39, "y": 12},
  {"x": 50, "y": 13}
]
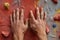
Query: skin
[
  {"x": 39, "y": 24},
  {"x": 19, "y": 27}
]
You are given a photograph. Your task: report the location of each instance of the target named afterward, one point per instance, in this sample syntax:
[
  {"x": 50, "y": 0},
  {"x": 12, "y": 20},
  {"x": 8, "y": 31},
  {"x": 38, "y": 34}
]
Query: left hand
[{"x": 17, "y": 21}]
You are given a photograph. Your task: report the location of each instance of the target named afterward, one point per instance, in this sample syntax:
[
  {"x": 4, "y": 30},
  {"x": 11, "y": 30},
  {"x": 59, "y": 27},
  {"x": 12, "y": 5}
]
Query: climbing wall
[
  {"x": 51, "y": 9},
  {"x": 7, "y": 6}
]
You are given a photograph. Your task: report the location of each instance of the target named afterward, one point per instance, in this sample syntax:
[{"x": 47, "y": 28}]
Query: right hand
[{"x": 39, "y": 24}]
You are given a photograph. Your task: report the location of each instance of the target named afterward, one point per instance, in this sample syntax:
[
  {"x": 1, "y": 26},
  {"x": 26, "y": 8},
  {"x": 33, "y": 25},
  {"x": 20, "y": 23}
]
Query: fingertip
[
  {"x": 37, "y": 9},
  {"x": 30, "y": 11},
  {"x": 41, "y": 8},
  {"x": 22, "y": 10},
  {"x": 17, "y": 8}
]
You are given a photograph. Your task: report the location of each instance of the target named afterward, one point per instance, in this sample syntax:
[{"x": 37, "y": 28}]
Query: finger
[
  {"x": 13, "y": 16},
  {"x": 22, "y": 15},
  {"x": 17, "y": 14},
  {"x": 38, "y": 13},
  {"x": 32, "y": 16},
  {"x": 45, "y": 15},
  {"x": 42, "y": 13},
  {"x": 11, "y": 19}
]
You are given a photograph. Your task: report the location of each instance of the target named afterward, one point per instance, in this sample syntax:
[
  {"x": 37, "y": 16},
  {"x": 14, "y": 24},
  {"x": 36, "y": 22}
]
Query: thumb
[{"x": 26, "y": 22}]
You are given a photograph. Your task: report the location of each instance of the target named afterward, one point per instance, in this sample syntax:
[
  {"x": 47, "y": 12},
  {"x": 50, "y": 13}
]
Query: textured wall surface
[{"x": 51, "y": 11}]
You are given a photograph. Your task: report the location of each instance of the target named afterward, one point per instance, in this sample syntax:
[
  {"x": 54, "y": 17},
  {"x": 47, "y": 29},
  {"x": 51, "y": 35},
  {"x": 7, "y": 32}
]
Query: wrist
[
  {"x": 15, "y": 36},
  {"x": 42, "y": 35},
  {"x": 21, "y": 35}
]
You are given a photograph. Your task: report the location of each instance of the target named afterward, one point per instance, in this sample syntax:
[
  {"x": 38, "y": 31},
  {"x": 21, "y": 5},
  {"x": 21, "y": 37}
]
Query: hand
[
  {"x": 17, "y": 22},
  {"x": 39, "y": 24}
]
